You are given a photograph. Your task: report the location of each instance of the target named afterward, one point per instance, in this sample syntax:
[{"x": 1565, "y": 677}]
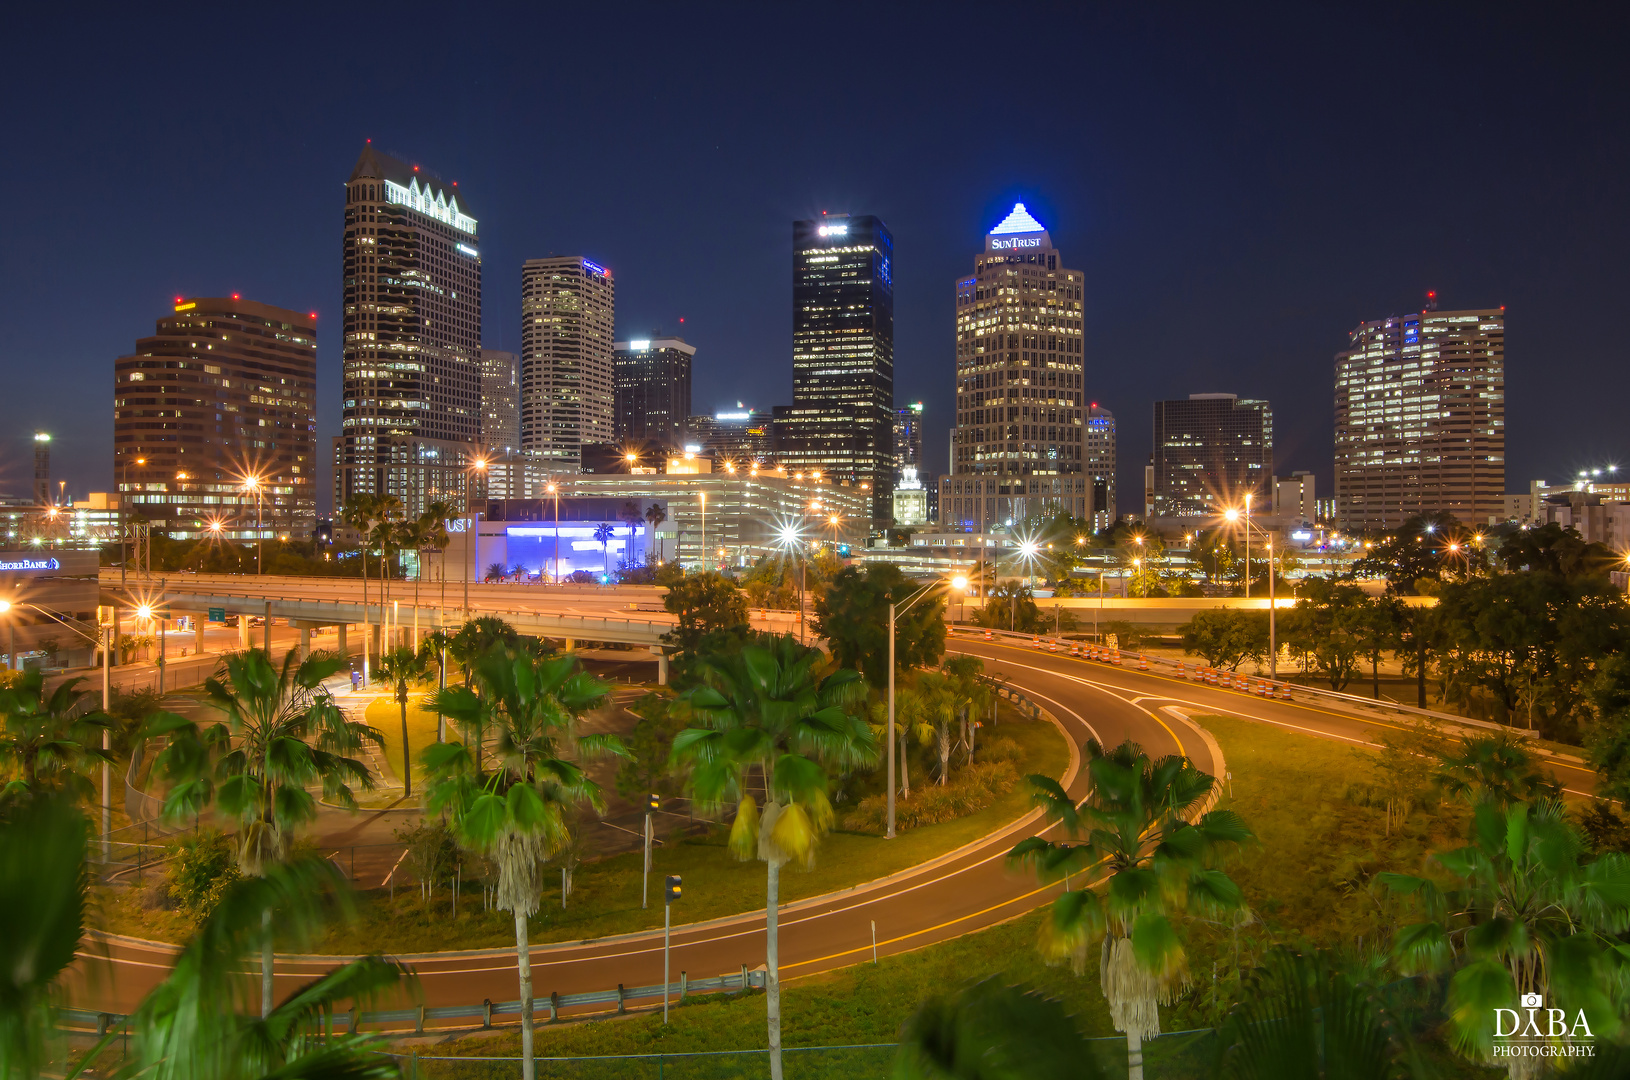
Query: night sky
[{"x": 1240, "y": 192}]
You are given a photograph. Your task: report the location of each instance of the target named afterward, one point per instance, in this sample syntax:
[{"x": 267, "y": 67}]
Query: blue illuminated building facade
[
  {"x": 841, "y": 419},
  {"x": 526, "y": 539}
]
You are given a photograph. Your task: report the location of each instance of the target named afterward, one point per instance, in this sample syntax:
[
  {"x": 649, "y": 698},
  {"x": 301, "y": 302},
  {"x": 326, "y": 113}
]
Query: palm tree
[
  {"x": 765, "y": 709},
  {"x": 966, "y": 673},
  {"x": 48, "y": 740},
  {"x": 386, "y": 534},
  {"x": 400, "y": 667},
  {"x": 655, "y": 515},
  {"x": 193, "y": 1025},
  {"x": 1133, "y": 829},
  {"x": 631, "y": 518},
  {"x": 433, "y": 534},
  {"x": 1303, "y": 1015},
  {"x": 282, "y": 734},
  {"x": 516, "y": 816},
  {"x": 604, "y": 533},
  {"x": 1494, "y": 768},
  {"x": 433, "y": 652},
  {"x": 1531, "y": 913},
  {"x": 360, "y": 513},
  {"x": 991, "y": 1031},
  {"x": 912, "y": 724},
  {"x": 42, "y": 892}
]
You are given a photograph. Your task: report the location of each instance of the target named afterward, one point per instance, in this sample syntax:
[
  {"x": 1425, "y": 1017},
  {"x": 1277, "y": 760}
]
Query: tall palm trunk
[
  {"x": 366, "y": 646},
  {"x": 905, "y": 770},
  {"x": 407, "y": 760},
  {"x": 523, "y": 963},
  {"x": 945, "y": 751},
  {"x": 1134, "y": 1056},
  {"x": 266, "y": 963},
  {"x": 772, "y": 965}
]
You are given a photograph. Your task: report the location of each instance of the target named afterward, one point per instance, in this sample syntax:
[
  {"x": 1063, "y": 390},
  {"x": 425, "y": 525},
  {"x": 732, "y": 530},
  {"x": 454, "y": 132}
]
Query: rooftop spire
[{"x": 1018, "y": 221}]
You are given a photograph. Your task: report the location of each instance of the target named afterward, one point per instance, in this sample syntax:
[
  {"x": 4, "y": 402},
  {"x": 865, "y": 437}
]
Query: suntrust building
[{"x": 1016, "y": 449}]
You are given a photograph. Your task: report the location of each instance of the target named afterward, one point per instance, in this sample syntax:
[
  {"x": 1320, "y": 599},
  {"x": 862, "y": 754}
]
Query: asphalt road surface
[{"x": 962, "y": 892}]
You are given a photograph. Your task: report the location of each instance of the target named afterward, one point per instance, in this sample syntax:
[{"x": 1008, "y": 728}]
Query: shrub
[
  {"x": 201, "y": 868},
  {"x": 969, "y": 792},
  {"x": 1002, "y": 749}
]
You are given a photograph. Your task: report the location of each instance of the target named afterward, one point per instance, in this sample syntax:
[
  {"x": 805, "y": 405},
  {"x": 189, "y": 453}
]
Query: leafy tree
[
  {"x": 1405, "y": 766},
  {"x": 1329, "y": 624},
  {"x": 1557, "y": 549},
  {"x": 1413, "y": 554},
  {"x": 1144, "y": 565},
  {"x": 283, "y": 733},
  {"x": 772, "y": 582},
  {"x": 1009, "y": 605},
  {"x": 1607, "y": 734},
  {"x": 972, "y": 693},
  {"x": 49, "y": 741},
  {"x": 1226, "y": 638},
  {"x": 399, "y": 668},
  {"x": 516, "y": 815},
  {"x": 1529, "y": 912},
  {"x": 991, "y": 1031},
  {"x": 1302, "y": 1015},
  {"x": 712, "y": 615},
  {"x": 1379, "y": 629},
  {"x": 765, "y": 710},
  {"x": 854, "y": 617},
  {"x": 1496, "y": 769},
  {"x": 650, "y": 746},
  {"x": 1132, "y": 829},
  {"x": 1213, "y": 552}
]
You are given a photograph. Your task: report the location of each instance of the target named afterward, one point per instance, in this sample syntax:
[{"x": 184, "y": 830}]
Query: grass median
[
  {"x": 605, "y": 896},
  {"x": 1310, "y": 879}
]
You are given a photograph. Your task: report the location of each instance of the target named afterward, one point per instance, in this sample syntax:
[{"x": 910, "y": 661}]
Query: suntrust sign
[{"x": 1014, "y": 243}]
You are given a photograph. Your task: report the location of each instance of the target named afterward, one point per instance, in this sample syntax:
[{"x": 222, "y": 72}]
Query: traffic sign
[{"x": 217, "y": 614}]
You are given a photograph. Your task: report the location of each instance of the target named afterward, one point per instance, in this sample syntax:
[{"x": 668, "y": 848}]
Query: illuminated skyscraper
[
  {"x": 500, "y": 402},
  {"x": 1420, "y": 419},
  {"x": 1211, "y": 451},
  {"x": 215, "y": 421},
  {"x": 412, "y": 346},
  {"x": 908, "y": 439},
  {"x": 1098, "y": 462},
  {"x": 568, "y": 383},
  {"x": 841, "y": 419},
  {"x": 653, "y": 390},
  {"x": 1017, "y": 448}
]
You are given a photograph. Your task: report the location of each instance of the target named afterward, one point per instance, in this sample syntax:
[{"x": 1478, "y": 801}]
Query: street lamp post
[
  {"x": 124, "y": 497},
  {"x": 470, "y": 537},
  {"x": 1273, "y": 641},
  {"x": 703, "y": 496},
  {"x": 252, "y": 483},
  {"x": 554, "y": 493}
]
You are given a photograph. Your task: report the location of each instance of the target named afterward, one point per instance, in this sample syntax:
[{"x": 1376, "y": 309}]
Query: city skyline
[{"x": 1254, "y": 249}]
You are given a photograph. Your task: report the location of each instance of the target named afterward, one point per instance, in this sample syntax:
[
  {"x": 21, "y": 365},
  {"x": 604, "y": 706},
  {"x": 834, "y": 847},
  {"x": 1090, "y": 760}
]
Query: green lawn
[
  {"x": 1310, "y": 878},
  {"x": 605, "y": 896},
  {"x": 385, "y": 716}
]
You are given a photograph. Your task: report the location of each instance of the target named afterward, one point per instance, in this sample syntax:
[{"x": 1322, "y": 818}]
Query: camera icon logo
[{"x": 1532, "y": 1001}]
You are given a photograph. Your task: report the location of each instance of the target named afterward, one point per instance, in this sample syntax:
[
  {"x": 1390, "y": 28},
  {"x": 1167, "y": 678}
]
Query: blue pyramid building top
[{"x": 1018, "y": 221}]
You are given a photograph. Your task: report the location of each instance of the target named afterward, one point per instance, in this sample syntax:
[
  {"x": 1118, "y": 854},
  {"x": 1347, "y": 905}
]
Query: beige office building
[
  {"x": 568, "y": 379},
  {"x": 1420, "y": 419},
  {"x": 215, "y": 421},
  {"x": 1018, "y": 444}
]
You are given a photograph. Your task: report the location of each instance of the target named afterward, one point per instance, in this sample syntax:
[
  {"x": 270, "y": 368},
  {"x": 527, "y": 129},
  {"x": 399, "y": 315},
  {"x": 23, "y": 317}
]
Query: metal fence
[{"x": 1184, "y": 1055}]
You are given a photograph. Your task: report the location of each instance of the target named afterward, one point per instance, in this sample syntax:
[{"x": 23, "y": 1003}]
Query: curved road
[{"x": 965, "y": 891}]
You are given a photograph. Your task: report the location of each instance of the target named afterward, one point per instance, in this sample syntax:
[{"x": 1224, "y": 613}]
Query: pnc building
[
  {"x": 412, "y": 348},
  {"x": 215, "y": 421},
  {"x": 841, "y": 420},
  {"x": 1018, "y": 448}
]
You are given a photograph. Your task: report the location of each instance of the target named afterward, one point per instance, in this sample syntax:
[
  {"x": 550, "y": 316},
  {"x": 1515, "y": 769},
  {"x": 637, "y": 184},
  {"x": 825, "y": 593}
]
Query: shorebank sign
[{"x": 30, "y": 564}]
